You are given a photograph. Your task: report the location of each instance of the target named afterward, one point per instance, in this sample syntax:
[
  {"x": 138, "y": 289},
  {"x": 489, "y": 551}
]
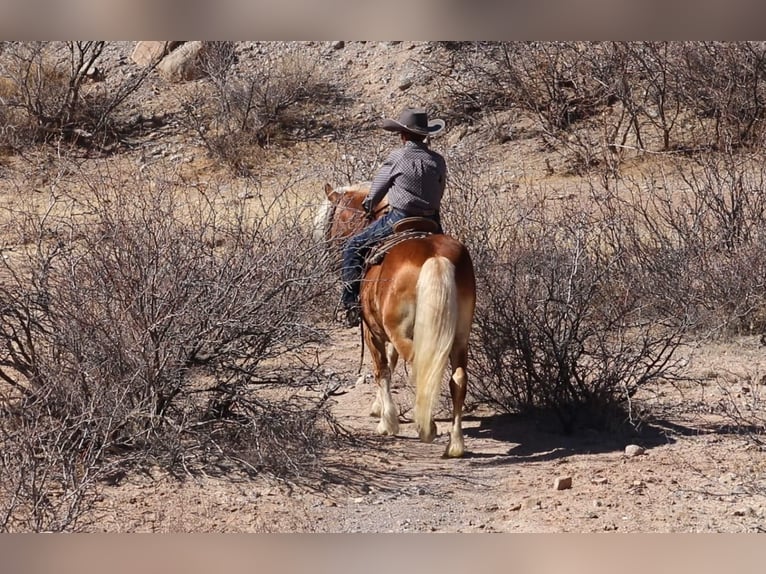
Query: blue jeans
[{"x": 356, "y": 249}]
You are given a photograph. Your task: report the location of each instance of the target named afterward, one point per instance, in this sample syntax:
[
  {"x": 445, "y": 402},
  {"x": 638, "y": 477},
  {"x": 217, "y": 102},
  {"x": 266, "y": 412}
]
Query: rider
[{"x": 414, "y": 177}]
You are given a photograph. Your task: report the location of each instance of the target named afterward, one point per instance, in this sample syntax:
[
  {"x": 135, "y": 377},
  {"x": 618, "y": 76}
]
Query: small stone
[
  {"x": 532, "y": 504},
  {"x": 562, "y": 483},
  {"x": 338, "y": 44},
  {"x": 634, "y": 450},
  {"x": 515, "y": 507}
]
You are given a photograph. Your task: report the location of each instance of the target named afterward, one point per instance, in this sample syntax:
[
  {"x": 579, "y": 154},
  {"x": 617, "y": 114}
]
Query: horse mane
[
  {"x": 322, "y": 221},
  {"x": 362, "y": 186}
]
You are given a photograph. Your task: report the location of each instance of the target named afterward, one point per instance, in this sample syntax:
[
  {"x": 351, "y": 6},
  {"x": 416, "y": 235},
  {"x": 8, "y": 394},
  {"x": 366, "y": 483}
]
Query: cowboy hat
[{"x": 414, "y": 120}]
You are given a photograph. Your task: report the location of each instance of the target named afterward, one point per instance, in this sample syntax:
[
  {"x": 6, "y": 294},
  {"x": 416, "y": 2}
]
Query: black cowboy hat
[{"x": 415, "y": 121}]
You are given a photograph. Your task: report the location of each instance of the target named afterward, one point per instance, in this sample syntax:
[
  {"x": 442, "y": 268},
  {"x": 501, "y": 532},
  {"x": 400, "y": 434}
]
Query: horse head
[{"x": 342, "y": 214}]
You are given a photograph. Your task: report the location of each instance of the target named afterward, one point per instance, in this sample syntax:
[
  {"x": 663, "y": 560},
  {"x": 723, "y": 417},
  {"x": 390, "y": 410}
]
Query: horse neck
[{"x": 346, "y": 219}]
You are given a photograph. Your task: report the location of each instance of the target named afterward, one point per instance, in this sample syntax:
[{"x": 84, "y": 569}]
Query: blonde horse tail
[{"x": 436, "y": 316}]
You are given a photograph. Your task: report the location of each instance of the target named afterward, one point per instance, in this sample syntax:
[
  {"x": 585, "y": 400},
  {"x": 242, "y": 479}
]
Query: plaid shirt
[{"x": 414, "y": 177}]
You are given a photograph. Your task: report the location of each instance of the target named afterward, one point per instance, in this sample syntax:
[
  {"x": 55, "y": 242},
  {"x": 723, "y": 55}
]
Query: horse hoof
[
  {"x": 385, "y": 430},
  {"x": 454, "y": 451},
  {"x": 429, "y": 435}
]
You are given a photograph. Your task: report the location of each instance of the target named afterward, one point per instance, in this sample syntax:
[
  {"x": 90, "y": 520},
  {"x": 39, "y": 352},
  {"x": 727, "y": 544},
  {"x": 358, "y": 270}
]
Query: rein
[
  {"x": 378, "y": 211},
  {"x": 328, "y": 236},
  {"x": 361, "y": 354}
]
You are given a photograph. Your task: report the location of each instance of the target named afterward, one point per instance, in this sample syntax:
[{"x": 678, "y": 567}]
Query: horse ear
[{"x": 331, "y": 194}]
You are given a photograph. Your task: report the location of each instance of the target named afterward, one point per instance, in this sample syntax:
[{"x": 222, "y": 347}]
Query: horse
[{"x": 417, "y": 303}]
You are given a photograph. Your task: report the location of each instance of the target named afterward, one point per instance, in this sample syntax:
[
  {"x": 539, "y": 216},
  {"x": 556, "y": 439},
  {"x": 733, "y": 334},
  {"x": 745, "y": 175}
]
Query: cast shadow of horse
[{"x": 538, "y": 438}]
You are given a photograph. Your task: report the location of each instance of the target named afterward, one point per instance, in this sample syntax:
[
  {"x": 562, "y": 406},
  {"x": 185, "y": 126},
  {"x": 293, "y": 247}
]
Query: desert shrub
[
  {"x": 723, "y": 85},
  {"x": 560, "y": 83},
  {"x": 46, "y": 94},
  {"x": 710, "y": 212},
  {"x": 598, "y": 103},
  {"x": 238, "y": 115},
  {"x": 152, "y": 324},
  {"x": 565, "y": 319}
]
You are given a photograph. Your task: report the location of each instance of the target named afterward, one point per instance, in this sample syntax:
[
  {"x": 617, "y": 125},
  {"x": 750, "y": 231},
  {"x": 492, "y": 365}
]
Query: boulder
[
  {"x": 183, "y": 63},
  {"x": 147, "y": 53}
]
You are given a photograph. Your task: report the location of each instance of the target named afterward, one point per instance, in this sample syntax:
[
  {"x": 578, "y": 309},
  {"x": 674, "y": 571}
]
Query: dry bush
[
  {"x": 707, "y": 214},
  {"x": 559, "y": 83},
  {"x": 239, "y": 114},
  {"x": 723, "y": 84},
  {"x": 566, "y": 321},
  {"x": 598, "y": 103},
  {"x": 46, "y": 95},
  {"x": 742, "y": 405},
  {"x": 148, "y": 323}
]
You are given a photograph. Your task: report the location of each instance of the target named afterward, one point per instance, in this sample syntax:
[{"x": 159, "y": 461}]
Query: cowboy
[{"x": 413, "y": 176}]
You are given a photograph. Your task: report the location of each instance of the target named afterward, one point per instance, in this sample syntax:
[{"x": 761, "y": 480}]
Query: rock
[
  {"x": 634, "y": 450},
  {"x": 532, "y": 504},
  {"x": 183, "y": 63},
  {"x": 338, "y": 44},
  {"x": 405, "y": 83},
  {"x": 92, "y": 72},
  {"x": 562, "y": 483},
  {"x": 147, "y": 53}
]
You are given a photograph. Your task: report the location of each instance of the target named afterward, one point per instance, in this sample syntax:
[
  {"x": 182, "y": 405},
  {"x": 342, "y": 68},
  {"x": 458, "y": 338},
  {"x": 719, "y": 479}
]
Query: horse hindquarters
[{"x": 433, "y": 337}]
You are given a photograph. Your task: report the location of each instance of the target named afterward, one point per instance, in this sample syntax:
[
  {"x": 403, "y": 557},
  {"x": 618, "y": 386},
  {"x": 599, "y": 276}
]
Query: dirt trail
[{"x": 693, "y": 477}]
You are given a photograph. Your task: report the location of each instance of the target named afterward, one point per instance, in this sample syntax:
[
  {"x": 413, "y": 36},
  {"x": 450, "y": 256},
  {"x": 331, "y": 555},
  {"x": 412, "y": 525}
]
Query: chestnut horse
[{"x": 417, "y": 303}]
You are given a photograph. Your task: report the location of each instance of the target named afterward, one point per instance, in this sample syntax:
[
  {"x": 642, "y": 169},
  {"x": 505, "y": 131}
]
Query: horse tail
[{"x": 436, "y": 314}]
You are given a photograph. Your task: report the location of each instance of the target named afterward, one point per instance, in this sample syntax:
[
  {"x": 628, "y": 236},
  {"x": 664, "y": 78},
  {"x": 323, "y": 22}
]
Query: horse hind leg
[
  {"x": 389, "y": 414},
  {"x": 457, "y": 386},
  {"x": 393, "y": 359}
]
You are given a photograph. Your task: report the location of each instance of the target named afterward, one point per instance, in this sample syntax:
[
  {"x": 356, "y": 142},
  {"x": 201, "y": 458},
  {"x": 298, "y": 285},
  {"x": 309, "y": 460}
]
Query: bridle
[{"x": 334, "y": 208}]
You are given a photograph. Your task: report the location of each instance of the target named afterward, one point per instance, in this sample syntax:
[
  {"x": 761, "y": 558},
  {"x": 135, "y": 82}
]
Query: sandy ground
[{"x": 695, "y": 475}]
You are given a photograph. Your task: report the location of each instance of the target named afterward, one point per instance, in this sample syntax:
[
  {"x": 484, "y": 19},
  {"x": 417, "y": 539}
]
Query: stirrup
[{"x": 353, "y": 317}]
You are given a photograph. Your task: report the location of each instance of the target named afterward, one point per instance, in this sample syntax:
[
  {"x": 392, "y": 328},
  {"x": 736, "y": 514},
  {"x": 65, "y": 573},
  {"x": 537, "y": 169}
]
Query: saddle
[{"x": 404, "y": 229}]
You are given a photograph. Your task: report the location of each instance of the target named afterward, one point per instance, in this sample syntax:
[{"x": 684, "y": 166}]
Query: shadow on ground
[{"x": 536, "y": 439}]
